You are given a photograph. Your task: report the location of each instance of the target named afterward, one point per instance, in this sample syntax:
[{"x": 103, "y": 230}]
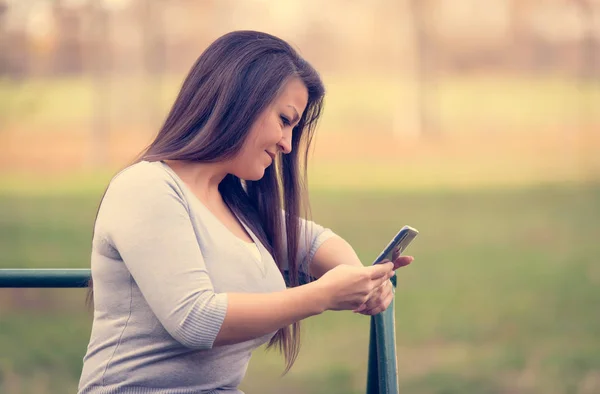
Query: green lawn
[{"x": 502, "y": 297}]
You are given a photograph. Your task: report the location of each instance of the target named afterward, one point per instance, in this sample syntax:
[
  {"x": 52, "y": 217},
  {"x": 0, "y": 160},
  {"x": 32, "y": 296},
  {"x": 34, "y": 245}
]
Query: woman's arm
[
  {"x": 251, "y": 315},
  {"x": 333, "y": 252},
  {"x": 320, "y": 249},
  {"x": 344, "y": 288}
]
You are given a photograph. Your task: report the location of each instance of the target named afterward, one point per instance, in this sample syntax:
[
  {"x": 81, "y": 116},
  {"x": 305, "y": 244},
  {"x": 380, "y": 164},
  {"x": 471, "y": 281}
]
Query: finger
[
  {"x": 380, "y": 270},
  {"x": 377, "y": 296},
  {"x": 382, "y": 306},
  {"x": 402, "y": 261},
  {"x": 382, "y": 293},
  {"x": 382, "y": 280},
  {"x": 372, "y": 298},
  {"x": 383, "y": 288},
  {"x": 386, "y": 290},
  {"x": 374, "y": 311},
  {"x": 367, "y": 306}
]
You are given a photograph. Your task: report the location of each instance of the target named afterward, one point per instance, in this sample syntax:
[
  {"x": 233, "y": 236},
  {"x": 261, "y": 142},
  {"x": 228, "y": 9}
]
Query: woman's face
[{"x": 271, "y": 134}]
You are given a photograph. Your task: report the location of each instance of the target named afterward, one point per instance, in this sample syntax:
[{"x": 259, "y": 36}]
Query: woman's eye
[{"x": 285, "y": 121}]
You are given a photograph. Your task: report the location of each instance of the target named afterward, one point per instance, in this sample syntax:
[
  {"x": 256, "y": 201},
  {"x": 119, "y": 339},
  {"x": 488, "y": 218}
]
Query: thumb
[
  {"x": 379, "y": 270},
  {"x": 402, "y": 261}
]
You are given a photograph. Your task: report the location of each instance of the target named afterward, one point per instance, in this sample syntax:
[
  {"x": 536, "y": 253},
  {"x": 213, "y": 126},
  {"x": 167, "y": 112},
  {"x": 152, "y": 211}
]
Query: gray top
[{"x": 162, "y": 266}]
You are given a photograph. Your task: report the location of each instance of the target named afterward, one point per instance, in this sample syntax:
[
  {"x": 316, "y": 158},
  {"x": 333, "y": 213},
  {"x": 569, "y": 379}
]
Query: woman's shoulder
[
  {"x": 139, "y": 170},
  {"x": 143, "y": 177}
]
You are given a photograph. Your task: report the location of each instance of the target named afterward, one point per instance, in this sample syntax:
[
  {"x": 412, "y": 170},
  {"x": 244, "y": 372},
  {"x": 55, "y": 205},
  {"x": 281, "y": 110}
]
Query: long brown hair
[{"x": 232, "y": 82}]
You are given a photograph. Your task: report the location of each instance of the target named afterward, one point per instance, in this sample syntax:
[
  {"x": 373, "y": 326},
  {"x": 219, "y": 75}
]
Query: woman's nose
[{"x": 285, "y": 145}]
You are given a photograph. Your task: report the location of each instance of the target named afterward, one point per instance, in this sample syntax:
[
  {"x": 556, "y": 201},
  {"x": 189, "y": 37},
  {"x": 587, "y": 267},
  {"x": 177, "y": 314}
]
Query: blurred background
[{"x": 475, "y": 122}]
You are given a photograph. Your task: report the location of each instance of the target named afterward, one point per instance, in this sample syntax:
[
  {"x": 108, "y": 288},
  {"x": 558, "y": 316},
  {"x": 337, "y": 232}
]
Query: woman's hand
[
  {"x": 348, "y": 287},
  {"x": 382, "y": 297}
]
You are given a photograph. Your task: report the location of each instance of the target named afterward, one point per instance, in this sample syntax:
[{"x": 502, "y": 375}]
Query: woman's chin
[{"x": 252, "y": 176}]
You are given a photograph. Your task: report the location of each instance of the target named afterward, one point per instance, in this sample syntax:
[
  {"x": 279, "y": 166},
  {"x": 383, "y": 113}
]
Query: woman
[{"x": 192, "y": 242}]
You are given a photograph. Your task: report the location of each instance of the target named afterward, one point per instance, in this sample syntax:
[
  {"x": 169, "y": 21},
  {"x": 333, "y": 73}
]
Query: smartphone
[{"x": 397, "y": 245}]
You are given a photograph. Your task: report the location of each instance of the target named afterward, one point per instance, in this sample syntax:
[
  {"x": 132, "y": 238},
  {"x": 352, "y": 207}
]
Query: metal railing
[
  {"x": 44, "y": 278},
  {"x": 382, "y": 373}
]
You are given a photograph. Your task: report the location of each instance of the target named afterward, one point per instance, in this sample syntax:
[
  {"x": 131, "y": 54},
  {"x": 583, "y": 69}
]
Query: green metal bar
[
  {"x": 373, "y": 365},
  {"x": 382, "y": 373},
  {"x": 46, "y": 278}
]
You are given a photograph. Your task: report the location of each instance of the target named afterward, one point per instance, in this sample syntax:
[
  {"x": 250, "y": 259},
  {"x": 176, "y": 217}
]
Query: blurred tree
[
  {"x": 98, "y": 61},
  {"x": 14, "y": 66},
  {"x": 590, "y": 47},
  {"x": 589, "y": 13},
  {"x": 424, "y": 47},
  {"x": 3, "y": 57},
  {"x": 154, "y": 57},
  {"x": 67, "y": 45},
  {"x": 4, "y": 44}
]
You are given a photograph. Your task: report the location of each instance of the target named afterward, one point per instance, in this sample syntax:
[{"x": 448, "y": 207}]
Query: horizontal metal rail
[{"x": 45, "y": 278}]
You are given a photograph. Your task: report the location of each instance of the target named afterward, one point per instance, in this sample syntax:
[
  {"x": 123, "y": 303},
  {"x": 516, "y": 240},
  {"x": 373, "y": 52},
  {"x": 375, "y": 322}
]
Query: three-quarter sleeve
[{"x": 146, "y": 219}]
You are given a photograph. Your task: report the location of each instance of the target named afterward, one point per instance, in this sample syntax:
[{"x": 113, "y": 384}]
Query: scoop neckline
[{"x": 240, "y": 242}]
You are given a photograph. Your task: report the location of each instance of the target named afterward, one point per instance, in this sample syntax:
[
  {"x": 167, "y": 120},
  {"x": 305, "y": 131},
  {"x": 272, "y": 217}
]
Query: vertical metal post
[{"x": 382, "y": 373}]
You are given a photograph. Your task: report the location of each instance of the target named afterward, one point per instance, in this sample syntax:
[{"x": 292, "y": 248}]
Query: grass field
[{"x": 502, "y": 298}]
